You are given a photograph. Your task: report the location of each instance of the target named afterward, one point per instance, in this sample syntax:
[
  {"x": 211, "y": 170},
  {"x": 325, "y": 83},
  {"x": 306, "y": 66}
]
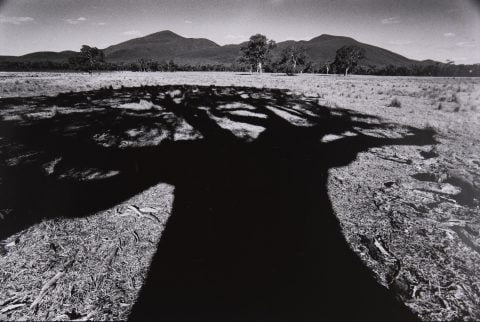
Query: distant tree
[
  {"x": 327, "y": 65},
  {"x": 89, "y": 58},
  {"x": 153, "y": 66},
  {"x": 75, "y": 62},
  {"x": 171, "y": 66},
  {"x": 134, "y": 67},
  {"x": 347, "y": 58},
  {"x": 311, "y": 67},
  {"x": 293, "y": 59},
  {"x": 243, "y": 64},
  {"x": 92, "y": 56},
  {"x": 143, "y": 64},
  {"x": 257, "y": 51},
  {"x": 372, "y": 69}
]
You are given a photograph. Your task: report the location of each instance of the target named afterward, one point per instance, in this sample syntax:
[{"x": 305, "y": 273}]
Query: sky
[{"x": 417, "y": 29}]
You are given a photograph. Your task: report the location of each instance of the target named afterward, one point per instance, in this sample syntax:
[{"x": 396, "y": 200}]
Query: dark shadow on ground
[{"x": 252, "y": 235}]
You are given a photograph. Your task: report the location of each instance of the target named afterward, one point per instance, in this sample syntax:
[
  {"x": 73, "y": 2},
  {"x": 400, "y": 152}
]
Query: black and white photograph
[{"x": 239, "y": 160}]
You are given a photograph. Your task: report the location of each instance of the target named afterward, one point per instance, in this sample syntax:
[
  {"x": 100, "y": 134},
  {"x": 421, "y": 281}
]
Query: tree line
[{"x": 256, "y": 56}]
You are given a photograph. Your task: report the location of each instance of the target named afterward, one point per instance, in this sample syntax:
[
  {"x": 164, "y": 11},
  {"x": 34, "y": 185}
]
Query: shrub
[
  {"x": 395, "y": 102},
  {"x": 454, "y": 98}
]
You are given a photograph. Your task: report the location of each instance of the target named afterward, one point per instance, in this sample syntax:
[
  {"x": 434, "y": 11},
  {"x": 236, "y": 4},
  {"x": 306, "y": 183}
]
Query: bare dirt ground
[{"x": 395, "y": 161}]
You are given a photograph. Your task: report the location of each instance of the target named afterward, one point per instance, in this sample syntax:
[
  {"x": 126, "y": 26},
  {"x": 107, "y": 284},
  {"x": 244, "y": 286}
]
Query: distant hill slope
[
  {"x": 323, "y": 48},
  {"x": 221, "y": 55},
  {"x": 52, "y": 56},
  {"x": 166, "y": 45},
  {"x": 320, "y": 49},
  {"x": 163, "y": 45}
]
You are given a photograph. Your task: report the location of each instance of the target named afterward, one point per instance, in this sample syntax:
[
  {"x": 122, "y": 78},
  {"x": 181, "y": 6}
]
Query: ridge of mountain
[{"x": 167, "y": 45}]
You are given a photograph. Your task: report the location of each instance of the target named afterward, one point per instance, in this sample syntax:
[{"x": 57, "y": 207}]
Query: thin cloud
[
  {"x": 99, "y": 23},
  {"x": 132, "y": 33},
  {"x": 400, "y": 42},
  {"x": 75, "y": 21},
  {"x": 467, "y": 44},
  {"x": 15, "y": 20},
  {"x": 188, "y": 21},
  {"x": 449, "y": 34},
  {"x": 391, "y": 20}
]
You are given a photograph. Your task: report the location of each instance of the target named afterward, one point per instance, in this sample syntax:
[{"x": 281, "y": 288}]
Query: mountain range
[{"x": 167, "y": 45}]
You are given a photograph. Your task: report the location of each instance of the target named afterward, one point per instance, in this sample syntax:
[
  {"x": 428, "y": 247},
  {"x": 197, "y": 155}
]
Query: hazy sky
[{"x": 419, "y": 29}]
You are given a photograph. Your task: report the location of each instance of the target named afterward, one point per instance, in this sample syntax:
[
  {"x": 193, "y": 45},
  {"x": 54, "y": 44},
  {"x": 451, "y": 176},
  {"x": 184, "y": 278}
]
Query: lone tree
[
  {"x": 91, "y": 56},
  {"x": 293, "y": 59},
  {"x": 347, "y": 58},
  {"x": 326, "y": 66},
  {"x": 257, "y": 51}
]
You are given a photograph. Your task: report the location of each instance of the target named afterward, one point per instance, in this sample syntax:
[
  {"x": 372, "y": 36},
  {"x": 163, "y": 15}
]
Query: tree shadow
[
  {"x": 71, "y": 164},
  {"x": 252, "y": 235}
]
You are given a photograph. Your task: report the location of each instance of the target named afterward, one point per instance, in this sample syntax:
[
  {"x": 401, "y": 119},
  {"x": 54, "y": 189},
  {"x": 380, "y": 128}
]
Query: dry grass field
[{"x": 83, "y": 204}]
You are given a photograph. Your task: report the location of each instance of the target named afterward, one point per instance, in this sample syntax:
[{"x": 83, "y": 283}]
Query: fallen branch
[
  {"x": 13, "y": 300},
  {"x": 149, "y": 210},
  {"x": 11, "y": 307},
  {"x": 46, "y": 288},
  {"x": 112, "y": 256},
  {"x": 393, "y": 159},
  {"x": 135, "y": 212},
  {"x": 135, "y": 236},
  {"x": 141, "y": 214}
]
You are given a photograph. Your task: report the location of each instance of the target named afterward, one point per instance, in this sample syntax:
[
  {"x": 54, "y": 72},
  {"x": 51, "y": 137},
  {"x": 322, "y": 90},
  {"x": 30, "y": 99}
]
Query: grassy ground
[{"x": 409, "y": 212}]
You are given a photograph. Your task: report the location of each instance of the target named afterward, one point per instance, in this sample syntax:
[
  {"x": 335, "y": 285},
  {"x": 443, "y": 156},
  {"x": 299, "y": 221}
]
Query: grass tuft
[{"x": 395, "y": 102}]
